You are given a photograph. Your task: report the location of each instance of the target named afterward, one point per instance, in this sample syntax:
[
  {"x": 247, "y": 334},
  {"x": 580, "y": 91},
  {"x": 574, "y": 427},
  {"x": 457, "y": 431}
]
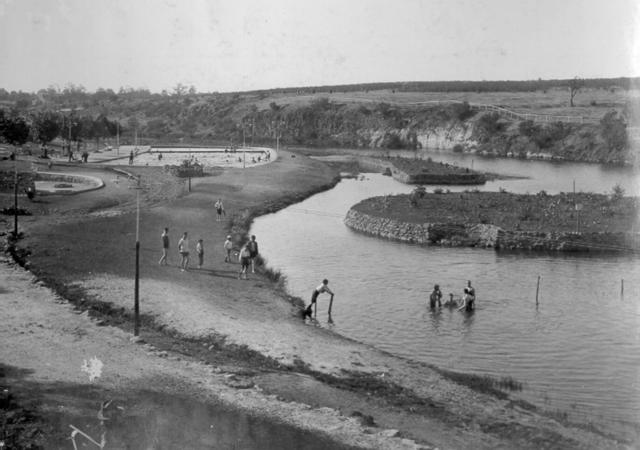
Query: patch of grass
[{"x": 483, "y": 383}]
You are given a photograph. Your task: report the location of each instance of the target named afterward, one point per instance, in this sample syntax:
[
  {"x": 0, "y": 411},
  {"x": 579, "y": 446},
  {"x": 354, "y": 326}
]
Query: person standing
[
  {"x": 200, "y": 252},
  {"x": 165, "y": 247},
  {"x": 183, "y": 248},
  {"x": 245, "y": 257},
  {"x": 228, "y": 246},
  {"x": 219, "y": 210},
  {"x": 469, "y": 298},
  {"x": 435, "y": 297},
  {"x": 253, "y": 250},
  {"x": 131, "y": 157}
]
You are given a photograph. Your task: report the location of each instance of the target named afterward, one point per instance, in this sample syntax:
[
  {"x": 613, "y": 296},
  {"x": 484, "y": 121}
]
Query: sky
[{"x": 238, "y": 45}]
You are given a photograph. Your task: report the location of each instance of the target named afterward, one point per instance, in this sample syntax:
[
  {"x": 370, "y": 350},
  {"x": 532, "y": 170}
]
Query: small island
[{"x": 501, "y": 220}]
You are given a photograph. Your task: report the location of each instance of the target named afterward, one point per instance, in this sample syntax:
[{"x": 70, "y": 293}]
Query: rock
[{"x": 390, "y": 433}]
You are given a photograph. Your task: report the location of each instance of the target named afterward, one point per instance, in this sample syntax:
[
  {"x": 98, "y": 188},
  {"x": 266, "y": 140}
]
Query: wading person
[
  {"x": 219, "y": 210},
  {"x": 253, "y": 250},
  {"x": 435, "y": 297},
  {"x": 165, "y": 247},
  {"x": 245, "y": 257},
  {"x": 228, "y": 246},
  {"x": 183, "y": 248},
  {"x": 324, "y": 287},
  {"x": 469, "y": 298},
  {"x": 200, "y": 252}
]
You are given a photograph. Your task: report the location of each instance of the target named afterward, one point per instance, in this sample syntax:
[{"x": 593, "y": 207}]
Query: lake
[{"x": 578, "y": 350}]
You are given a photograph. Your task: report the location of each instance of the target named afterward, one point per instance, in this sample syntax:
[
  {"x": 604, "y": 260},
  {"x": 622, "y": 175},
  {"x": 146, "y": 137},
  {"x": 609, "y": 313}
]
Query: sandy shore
[{"x": 208, "y": 335}]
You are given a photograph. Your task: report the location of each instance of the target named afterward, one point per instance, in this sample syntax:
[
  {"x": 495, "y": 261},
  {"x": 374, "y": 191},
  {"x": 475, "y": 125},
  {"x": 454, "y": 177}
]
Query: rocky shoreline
[{"x": 458, "y": 232}]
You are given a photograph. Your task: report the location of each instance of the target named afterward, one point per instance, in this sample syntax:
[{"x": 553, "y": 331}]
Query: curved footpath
[{"x": 210, "y": 337}]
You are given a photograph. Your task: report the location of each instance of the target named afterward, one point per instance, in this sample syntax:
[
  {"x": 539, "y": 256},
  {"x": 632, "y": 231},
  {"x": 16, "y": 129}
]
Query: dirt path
[{"x": 309, "y": 378}]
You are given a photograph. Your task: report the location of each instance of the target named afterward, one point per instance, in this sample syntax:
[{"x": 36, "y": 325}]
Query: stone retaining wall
[{"x": 489, "y": 236}]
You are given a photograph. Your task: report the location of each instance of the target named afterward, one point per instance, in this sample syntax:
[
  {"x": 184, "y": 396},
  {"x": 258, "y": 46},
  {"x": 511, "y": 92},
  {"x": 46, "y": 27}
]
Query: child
[
  {"x": 200, "y": 252},
  {"x": 228, "y": 246},
  {"x": 245, "y": 261}
]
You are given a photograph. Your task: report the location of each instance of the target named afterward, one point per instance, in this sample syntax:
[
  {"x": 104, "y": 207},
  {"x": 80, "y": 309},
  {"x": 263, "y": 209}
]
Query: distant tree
[
  {"x": 16, "y": 130},
  {"x": 613, "y": 130},
  {"x": 46, "y": 126},
  {"x": 574, "y": 86},
  {"x": 179, "y": 90}
]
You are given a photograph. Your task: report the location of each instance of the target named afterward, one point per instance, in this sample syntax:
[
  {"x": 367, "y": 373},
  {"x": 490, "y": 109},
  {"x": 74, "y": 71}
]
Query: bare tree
[{"x": 574, "y": 86}]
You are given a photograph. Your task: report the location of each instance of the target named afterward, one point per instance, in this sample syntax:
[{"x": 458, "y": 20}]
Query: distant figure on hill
[
  {"x": 228, "y": 246},
  {"x": 253, "y": 250},
  {"x": 131, "y": 157},
  {"x": 165, "y": 247},
  {"x": 183, "y": 248},
  {"x": 200, "y": 252},
  {"x": 435, "y": 297},
  {"x": 245, "y": 259},
  {"x": 324, "y": 287},
  {"x": 469, "y": 298},
  {"x": 219, "y": 210}
]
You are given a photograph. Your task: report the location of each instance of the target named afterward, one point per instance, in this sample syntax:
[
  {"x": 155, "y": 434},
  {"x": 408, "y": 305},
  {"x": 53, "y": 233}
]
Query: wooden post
[
  {"x": 15, "y": 195},
  {"x": 537, "y": 290}
]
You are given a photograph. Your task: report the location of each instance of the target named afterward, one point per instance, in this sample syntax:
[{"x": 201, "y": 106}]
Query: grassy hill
[{"x": 391, "y": 115}]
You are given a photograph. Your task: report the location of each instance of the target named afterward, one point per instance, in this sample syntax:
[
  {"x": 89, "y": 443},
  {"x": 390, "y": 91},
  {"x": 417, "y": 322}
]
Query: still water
[{"x": 578, "y": 350}]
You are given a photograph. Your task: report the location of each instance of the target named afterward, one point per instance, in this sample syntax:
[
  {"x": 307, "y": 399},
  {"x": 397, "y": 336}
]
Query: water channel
[{"x": 577, "y": 351}]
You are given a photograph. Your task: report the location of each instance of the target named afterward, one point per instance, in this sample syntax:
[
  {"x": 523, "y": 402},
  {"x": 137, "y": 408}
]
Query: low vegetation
[{"x": 584, "y": 212}]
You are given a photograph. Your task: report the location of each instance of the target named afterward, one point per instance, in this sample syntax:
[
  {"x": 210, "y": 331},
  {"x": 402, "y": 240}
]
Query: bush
[
  {"x": 462, "y": 111},
  {"x": 528, "y": 128},
  {"x": 613, "y": 130},
  {"x": 617, "y": 193},
  {"x": 458, "y": 148},
  {"x": 489, "y": 124}
]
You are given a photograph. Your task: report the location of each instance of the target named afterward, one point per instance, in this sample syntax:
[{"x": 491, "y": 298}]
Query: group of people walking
[
  {"x": 467, "y": 303},
  {"x": 246, "y": 255}
]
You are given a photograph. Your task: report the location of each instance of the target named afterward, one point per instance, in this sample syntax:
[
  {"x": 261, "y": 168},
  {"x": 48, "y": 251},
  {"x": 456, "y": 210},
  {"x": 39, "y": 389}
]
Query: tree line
[{"x": 17, "y": 128}]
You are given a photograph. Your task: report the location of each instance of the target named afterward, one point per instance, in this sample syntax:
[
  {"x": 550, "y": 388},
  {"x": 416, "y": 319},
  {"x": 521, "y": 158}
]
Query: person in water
[
  {"x": 451, "y": 303},
  {"x": 435, "y": 297},
  {"x": 324, "y": 287},
  {"x": 469, "y": 298}
]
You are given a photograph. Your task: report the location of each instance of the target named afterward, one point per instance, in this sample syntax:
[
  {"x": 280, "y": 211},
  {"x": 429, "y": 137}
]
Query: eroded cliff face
[{"x": 446, "y": 137}]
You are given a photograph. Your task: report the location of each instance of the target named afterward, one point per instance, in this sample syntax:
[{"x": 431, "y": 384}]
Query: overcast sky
[{"x": 236, "y": 45}]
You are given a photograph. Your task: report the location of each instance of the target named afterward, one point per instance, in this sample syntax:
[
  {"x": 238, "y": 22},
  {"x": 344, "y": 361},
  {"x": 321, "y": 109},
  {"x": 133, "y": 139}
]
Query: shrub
[
  {"x": 458, "y": 148},
  {"x": 462, "y": 111},
  {"x": 528, "y": 128},
  {"x": 613, "y": 130},
  {"x": 617, "y": 192}
]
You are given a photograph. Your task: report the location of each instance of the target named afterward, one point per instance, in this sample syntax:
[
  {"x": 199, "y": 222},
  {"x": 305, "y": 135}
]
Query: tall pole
[
  {"x": 136, "y": 326},
  {"x": 15, "y": 197}
]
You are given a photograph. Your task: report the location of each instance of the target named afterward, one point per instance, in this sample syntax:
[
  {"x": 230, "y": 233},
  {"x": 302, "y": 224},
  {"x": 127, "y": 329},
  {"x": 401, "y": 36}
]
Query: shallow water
[{"x": 578, "y": 350}]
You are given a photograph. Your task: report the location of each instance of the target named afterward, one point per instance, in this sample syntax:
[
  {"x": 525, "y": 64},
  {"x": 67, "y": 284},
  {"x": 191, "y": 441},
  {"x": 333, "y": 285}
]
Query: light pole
[{"x": 136, "y": 290}]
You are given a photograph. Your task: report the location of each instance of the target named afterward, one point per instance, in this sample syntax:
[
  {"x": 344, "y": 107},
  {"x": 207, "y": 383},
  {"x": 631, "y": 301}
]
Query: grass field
[{"x": 589, "y": 102}]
